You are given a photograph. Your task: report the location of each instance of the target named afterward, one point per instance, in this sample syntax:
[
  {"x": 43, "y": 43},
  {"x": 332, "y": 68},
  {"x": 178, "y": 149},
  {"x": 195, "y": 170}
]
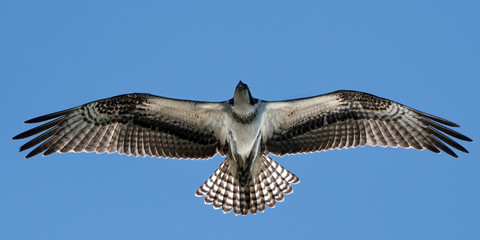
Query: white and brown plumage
[{"x": 243, "y": 129}]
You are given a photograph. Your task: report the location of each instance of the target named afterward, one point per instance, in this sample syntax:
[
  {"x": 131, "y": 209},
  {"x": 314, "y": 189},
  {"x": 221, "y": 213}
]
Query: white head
[{"x": 242, "y": 95}]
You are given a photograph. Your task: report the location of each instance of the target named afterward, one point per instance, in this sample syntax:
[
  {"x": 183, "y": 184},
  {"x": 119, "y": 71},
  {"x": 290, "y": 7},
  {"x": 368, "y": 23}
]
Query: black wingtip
[
  {"x": 34, "y": 120},
  {"x": 38, "y": 129},
  {"x": 437, "y": 119},
  {"x": 21, "y": 136},
  {"x": 31, "y": 154},
  {"x": 22, "y": 148},
  {"x": 49, "y": 116},
  {"x": 38, "y": 119},
  {"x": 463, "y": 137},
  {"x": 450, "y": 152}
]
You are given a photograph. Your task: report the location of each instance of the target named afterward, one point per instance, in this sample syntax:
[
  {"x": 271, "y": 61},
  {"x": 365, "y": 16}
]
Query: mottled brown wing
[
  {"x": 346, "y": 119},
  {"x": 132, "y": 124}
]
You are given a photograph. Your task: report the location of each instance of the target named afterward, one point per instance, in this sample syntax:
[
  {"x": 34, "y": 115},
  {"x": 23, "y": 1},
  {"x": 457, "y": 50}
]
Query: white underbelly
[{"x": 243, "y": 138}]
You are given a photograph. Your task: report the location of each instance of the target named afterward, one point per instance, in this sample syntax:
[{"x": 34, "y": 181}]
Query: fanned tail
[{"x": 268, "y": 187}]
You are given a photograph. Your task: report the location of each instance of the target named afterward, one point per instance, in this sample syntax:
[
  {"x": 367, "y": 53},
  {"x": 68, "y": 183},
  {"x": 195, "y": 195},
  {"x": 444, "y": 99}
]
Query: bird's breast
[{"x": 244, "y": 138}]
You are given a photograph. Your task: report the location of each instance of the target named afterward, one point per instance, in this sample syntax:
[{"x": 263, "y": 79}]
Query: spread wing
[
  {"x": 344, "y": 119},
  {"x": 133, "y": 124}
]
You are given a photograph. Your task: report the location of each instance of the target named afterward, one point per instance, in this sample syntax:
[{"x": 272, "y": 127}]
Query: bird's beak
[{"x": 241, "y": 86}]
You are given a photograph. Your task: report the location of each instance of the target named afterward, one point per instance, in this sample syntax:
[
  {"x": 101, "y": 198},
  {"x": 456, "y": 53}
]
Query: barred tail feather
[{"x": 268, "y": 187}]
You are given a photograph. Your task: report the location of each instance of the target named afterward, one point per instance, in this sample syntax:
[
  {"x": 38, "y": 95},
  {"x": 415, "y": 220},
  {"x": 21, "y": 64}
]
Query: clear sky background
[{"x": 59, "y": 54}]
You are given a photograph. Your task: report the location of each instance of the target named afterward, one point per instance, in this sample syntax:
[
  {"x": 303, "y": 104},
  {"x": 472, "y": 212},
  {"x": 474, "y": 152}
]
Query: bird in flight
[{"x": 245, "y": 130}]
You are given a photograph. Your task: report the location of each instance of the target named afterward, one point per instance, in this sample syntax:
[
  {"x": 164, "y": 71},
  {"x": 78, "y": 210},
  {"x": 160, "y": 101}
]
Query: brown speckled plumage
[{"x": 367, "y": 101}]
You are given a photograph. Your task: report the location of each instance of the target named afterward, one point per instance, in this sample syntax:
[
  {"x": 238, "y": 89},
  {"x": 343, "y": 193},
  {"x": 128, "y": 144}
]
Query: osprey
[{"x": 245, "y": 130}]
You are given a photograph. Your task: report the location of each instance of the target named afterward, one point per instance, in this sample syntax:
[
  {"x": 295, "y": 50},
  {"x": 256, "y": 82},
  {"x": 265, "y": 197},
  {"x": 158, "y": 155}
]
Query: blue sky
[{"x": 59, "y": 54}]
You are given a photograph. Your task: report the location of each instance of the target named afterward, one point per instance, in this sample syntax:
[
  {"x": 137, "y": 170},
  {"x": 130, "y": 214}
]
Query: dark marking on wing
[
  {"x": 366, "y": 100},
  {"x": 119, "y": 124},
  {"x": 364, "y": 119}
]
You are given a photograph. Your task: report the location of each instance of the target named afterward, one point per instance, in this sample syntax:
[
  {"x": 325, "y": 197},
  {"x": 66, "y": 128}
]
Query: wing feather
[
  {"x": 362, "y": 133},
  {"x": 57, "y": 138},
  {"x": 371, "y": 140},
  {"x": 346, "y": 119},
  {"x": 75, "y": 137},
  {"x": 113, "y": 143},
  {"x": 133, "y": 124},
  {"x": 145, "y": 146},
  {"x": 42, "y": 137},
  {"x": 105, "y": 139},
  {"x": 93, "y": 144},
  {"x": 127, "y": 139},
  {"x": 377, "y": 131},
  {"x": 39, "y": 129}
]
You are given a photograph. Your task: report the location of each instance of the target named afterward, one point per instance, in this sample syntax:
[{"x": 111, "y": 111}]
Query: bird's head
[{"x": 242, "y": 95}]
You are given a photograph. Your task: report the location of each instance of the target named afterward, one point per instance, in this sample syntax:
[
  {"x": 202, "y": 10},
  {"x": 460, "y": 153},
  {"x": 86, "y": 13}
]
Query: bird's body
[{"x": 245, "y": 130}]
